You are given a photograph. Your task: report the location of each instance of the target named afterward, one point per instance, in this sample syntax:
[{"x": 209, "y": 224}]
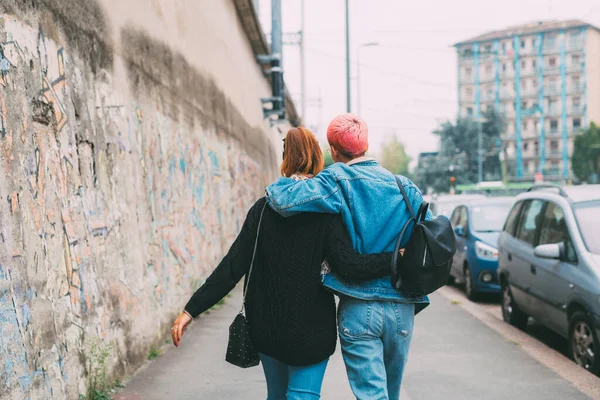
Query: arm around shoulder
[{"x": 319, "y": 194}]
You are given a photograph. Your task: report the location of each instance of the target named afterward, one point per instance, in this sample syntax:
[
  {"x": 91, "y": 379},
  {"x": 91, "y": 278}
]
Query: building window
[
  {"x": 576, "y": 123},
  {"x": 469, "y": 91},
  {"x": 524, "y": 126},
  {"x": 533, "y": 64},
  {"x": 552, "y": 62},
  {"x": 575, "y": 59},
  {"x": 503, "y": 67},
  {"x": 553, "y": 125},
  {"x": 536, "y": 147},
  {"x": 522, "y": 44},
  {"x": 533, "y": 43},
  {"x": 576, "y": 79},
  {"x": 504, "y": 47},
  {"x": 470, "y": 111},
  {"x": 577, "y": 102},
  {"x": 488, "y": 48},
  {"x": 523, "y": 64},
  {"x": 488, "y": 69},
  {"x": 523, "y": 84},
  {"x": 525, "y": 146},
  {"x": 468, "y": 71},
  {"x": 524, "y": 105},
  {"x": 554, "y": 145}
]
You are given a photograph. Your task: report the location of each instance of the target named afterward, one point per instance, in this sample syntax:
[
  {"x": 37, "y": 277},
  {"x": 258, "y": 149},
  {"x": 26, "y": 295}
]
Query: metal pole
[
  {"x": 348, "y": 98},
  {"x": 479, "y": 152},
  {"x": 302, "y": 63},
  {"x": 358, "y": 81},
  {"x": 277, "y": 52}
]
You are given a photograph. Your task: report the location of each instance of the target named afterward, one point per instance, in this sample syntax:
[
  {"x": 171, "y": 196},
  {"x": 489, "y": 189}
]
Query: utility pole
[
  {"x": 302, "y": 63},
  {"x": 479, "y": 150},
  {"x": 275, "y": 61},
  {"x": 348, "y": 98}
]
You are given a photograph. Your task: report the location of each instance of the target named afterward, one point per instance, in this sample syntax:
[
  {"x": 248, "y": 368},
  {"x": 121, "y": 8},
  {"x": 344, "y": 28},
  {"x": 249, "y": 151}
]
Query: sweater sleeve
[
  {"x": 231, "y": 269},
  {"x": 347, "y": 262}
]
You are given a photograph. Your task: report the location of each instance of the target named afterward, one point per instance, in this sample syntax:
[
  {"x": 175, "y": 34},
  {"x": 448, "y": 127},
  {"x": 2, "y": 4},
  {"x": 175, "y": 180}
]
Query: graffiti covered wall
[{"x": 125, "y": 173}]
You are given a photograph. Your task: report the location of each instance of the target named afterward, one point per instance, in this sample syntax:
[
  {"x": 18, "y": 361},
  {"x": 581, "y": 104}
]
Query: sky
[{"x": 408, "y": 81}]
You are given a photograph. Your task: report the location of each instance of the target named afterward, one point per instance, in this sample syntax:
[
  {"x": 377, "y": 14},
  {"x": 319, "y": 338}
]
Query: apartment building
[{"x": 544, "y": 78}]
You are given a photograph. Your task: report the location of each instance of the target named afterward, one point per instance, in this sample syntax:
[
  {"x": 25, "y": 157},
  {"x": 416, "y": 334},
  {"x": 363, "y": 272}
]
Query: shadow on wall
[
  {"x": 186, "y": 95},
  {"x": 82, "y": 23}
]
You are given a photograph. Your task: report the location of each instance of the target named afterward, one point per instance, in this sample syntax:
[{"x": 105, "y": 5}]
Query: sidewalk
[{"x": 453, "y": 356}]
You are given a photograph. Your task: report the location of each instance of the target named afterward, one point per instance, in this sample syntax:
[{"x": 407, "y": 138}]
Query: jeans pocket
[
  {"x": 354, "y": 317},
  {"x": 405, "y": 318}
]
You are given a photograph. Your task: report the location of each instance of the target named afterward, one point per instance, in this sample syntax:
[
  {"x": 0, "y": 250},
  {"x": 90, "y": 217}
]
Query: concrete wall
[
  {"x": 592, "y": 65},
  {"x": 131, "y": 146}
]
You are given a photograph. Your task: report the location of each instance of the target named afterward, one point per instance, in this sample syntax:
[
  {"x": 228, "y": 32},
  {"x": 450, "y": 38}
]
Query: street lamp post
[
  {"x": 348, "y": 99},
  {"x": 480, "y": 122},
  {"x": 358, "y": 72}
]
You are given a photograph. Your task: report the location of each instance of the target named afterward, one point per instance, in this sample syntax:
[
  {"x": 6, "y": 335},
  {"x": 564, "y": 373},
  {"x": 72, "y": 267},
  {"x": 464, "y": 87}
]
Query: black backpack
[{"x": 425, "y": 266}]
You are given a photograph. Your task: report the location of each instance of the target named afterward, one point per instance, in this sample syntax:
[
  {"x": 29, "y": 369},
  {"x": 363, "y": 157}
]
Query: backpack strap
[
  {"x": 422, "y": 211},
  {"x": 408, "y": 205}
]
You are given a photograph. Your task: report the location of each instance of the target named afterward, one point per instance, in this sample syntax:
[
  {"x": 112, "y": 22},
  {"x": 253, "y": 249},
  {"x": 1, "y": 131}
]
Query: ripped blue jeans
[{"x": 375, "y": 338}]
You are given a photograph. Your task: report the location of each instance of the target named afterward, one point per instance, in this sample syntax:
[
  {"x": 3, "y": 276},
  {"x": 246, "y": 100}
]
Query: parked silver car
[{"x": 549, "y": 266}]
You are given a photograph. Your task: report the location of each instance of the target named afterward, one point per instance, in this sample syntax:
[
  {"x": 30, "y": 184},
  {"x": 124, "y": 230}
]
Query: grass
[{"x": 154, "y": 353}]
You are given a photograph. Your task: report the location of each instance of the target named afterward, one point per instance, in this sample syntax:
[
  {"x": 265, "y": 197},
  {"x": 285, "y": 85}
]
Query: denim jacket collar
[{"x": 360, "y": 160}]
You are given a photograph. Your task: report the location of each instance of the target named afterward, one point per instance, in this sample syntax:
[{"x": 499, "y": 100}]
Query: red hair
[
  {"x": 302, "y": 153},
  {"x": 349, "y": 134}
]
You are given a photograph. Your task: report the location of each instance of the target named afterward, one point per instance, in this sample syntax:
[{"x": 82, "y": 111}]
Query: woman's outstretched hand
[{"x": 179, "y": 326}]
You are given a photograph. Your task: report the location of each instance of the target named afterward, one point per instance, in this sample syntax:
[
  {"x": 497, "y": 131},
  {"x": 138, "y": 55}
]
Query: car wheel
[
  {"x": 510, "y": 311},
  {"x": 451, "y": 280},
  {"x": 584, "y": 347},
  {"x": 470, "y": 290}
]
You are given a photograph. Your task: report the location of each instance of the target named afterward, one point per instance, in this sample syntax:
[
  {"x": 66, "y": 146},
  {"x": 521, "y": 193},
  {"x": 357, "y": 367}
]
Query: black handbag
[
  {"x": 240, "y": 350},
  {"x": 428, "y": 254}
]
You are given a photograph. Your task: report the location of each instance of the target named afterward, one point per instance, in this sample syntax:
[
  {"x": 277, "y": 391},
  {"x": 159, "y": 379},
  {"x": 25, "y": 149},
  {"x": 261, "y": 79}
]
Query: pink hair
[{"x": 349, "y": 134}]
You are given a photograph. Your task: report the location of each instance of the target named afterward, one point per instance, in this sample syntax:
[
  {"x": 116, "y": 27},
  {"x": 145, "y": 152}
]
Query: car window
[
  {"x": 531, "y": 220},
  {"x": 513, "y": 219},
  {"x": 554, "y": 230},
  {"x": 588, "y": 219}
]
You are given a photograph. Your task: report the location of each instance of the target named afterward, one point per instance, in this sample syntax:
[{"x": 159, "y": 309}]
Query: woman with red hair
[{"x": 292, "y": 318}]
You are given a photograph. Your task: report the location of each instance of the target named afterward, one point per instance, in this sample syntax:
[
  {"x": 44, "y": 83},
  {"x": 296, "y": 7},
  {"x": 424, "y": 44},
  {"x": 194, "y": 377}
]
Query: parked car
[
  {"x": 549, "y": 266},
  {"x": 444, "y": 205},
  {"x": 477, "y": 226}
]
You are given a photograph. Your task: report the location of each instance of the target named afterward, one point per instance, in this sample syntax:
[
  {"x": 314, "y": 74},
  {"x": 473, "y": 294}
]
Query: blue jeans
[
  {"x": 375, "y": 338},
  {"x": 285, "y": 382}
]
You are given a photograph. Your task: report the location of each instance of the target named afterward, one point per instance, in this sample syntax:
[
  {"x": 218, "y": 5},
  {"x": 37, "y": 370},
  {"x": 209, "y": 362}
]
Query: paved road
[{"x": 454, "y": 356}]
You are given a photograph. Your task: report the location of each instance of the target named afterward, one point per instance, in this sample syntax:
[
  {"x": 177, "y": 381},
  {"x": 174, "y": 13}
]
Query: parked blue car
[{"x": 477, "y": 226}]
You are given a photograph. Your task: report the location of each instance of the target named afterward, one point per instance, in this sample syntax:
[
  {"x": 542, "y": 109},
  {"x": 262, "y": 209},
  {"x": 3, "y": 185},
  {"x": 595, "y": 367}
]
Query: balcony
[
  {"x": 551, "y": 91},
  {"x": 506, "y": 95},
  {"x": 551, "y": 48},
  {"x": 575, "y": 131},
  {"x": 577, "y": 109},
  {"x": 466, "y": 60},
  {"x": 467, "y": 79},
  {"x": 575, "y": 68},
  {"x": 575, "y": 44},
  {"x": 486, "y": 98},
  {"x": 553, "y": 112},
  {"x": 553, "y": 132},
  {"x": 553, "y": 70},
  {"x": 528, "y": 93},
  {"x": 554, "y": 154},
  {"x": 575, "y": 88}
]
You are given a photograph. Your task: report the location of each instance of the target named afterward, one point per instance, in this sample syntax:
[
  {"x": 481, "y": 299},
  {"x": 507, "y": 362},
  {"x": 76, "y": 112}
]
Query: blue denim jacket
[{"x": 372, "y": 207}]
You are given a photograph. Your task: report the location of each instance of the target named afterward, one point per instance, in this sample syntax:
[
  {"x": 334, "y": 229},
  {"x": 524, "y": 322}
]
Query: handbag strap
[
  {"x": 252, "y": 262},
  {"x": 408, "y": 205}
]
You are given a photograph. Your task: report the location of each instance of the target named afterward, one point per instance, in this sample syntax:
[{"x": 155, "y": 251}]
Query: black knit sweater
[{"x": 291, "y": 316}]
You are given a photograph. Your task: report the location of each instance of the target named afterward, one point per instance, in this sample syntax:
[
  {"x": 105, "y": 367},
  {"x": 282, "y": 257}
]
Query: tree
[
  {"x": 394, "y": 157},
  {"x": 459, "y": 148},
  {"x": 327, "y": 158},
  {"x": 586, "y": 154}
]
